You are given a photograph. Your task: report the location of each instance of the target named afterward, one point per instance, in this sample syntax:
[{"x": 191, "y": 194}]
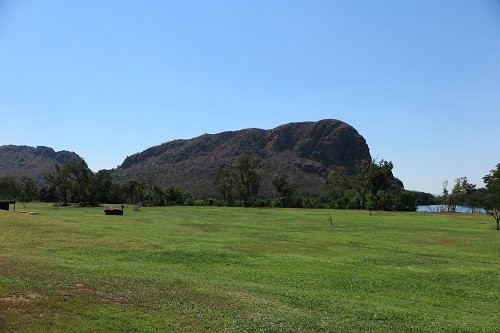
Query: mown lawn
[{"x": 193, "y": 269}]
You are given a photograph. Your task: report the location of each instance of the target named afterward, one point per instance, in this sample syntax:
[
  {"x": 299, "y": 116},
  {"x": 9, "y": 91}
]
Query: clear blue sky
[{"x": 420, "y": 80}]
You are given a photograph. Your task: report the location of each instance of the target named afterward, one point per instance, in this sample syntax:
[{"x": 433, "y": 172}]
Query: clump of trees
[
  {"x": 286, "y": 192},
  {"x": 244, "y": 178},
  {"x": 466, "y": 194},
  {"x": 74, "y": 182},
  {"x": 243, "y": 181},
  {"x": 463, "y": 193},
  {"x": 372, "y": 187},
  {"x": 8, "y": 188}
]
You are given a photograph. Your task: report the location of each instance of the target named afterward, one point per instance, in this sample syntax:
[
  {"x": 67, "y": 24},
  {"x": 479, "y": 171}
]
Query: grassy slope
[{"x": 233, "y": 269}]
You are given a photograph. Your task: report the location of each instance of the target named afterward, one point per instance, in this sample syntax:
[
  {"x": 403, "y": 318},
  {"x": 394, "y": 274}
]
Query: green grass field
[{"x": 193, "y": 269}]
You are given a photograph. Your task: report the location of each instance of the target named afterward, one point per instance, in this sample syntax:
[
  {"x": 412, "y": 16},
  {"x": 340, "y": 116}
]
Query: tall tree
[
  {"x": 492, "y": 185},
  {"x": 135, "y": 191},
  {"x": 83, "y": 181},
  {"x": 448, "y": 199},
  {"x": 174, "y": 195},
  {"x": 74, "y": 181},
  {"x": 285, "y": 191},
  {"x": 372, "y": 177},
  {"x": 8, "y": 188},
  {"x": 157, "y": 196},
  {"x": 60, "y": 181},
  {"x": 29, "y": 190},
  {"x": 246, "y": 177},
  {"x": 103, "y": 184},
  {"x": 337, "y": 184},
  {"x": 462, "y": 193},
  {"x": 223, "y": 182}
]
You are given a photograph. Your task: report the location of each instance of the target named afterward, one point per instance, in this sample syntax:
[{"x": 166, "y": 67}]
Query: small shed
[{"x": 4, "y": 204}]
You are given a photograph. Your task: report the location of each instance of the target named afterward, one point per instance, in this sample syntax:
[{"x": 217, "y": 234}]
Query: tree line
[{"x": 372, "y": 187}]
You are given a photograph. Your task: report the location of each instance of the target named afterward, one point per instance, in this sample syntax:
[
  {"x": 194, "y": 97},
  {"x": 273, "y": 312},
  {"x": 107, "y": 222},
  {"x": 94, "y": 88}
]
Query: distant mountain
[
  {"x": 304, "y": 151},
  {"x": 18, "y": 161}
]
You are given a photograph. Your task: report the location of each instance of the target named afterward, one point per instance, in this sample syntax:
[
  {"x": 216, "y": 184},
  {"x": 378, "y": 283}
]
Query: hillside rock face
[
  {"x": 303, "y": 151},
  {"x": 19, "y": 161}
]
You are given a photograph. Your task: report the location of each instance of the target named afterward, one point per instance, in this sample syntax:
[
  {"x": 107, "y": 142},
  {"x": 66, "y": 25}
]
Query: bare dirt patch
[
  {"x": 80, "y": 289},
  {"x": 22, "y": 298}
]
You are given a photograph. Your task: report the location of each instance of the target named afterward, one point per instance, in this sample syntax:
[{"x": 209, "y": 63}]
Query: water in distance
[{"x": 443, "y": 209}]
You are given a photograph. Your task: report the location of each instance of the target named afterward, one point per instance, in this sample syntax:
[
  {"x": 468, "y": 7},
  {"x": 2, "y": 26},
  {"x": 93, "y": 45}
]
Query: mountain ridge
[
  {"x": 301, "y": 150},
  {"x": 304, "y": 151},
  {"x": 21, "y": 160}
]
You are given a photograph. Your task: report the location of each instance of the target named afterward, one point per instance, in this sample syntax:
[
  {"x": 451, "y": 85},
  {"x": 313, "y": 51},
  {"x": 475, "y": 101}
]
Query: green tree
[
  {"x": 29, "y": 189},
  {"x": 60, "y": 181},
  {"x": 83, "y": 182},
  {"x": 117, "y": 193},
  {"x": 338, "y": 182},
  {"x": 246, "y": 177},
  {"x": 103, "y": 185},
  {"x": 285, "y": 191},
  {"x": 74, "y": 180},
  {"x": 462, "y": 193},
  {"x": 223, "y": 182},
  {"x": 157, "y": 196},
  {"x": 447, "y": 199},
  {"x": 372, "y": 177},
  {"x": 492, "y": 202},
  {"x": 8, "y": 188},
  {"x": 174, "y": 195},
  {"x": 405, "y": 200},
  {"x": 135, "y": 191},
  {"x": 469, "y": 191}
]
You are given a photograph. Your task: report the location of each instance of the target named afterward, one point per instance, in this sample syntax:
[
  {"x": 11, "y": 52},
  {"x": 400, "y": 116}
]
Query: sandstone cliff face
[
  {"x": 19, "y": 161},
  {"x": 303, "y": 151}
]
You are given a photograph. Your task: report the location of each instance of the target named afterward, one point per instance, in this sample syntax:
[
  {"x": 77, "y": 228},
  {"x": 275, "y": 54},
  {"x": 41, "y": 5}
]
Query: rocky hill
[
  {"x": 303, "y": 151},
  {"x": 18, "y": 161}
]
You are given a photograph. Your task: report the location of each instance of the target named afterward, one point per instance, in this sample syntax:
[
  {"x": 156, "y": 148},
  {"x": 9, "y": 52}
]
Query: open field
[{"x": 256, "y": 270}]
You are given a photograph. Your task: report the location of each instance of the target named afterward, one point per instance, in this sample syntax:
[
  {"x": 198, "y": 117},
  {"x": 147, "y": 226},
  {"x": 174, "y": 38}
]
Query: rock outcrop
[
  {"x": 303, "y": 151},
  {"x": 19, "y": 161}
]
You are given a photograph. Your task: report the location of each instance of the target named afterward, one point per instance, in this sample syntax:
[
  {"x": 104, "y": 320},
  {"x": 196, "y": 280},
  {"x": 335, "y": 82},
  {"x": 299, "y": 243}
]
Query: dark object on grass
[
  {"x": 4, "y": 204},
  {"x": 114, "y": 211}
]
